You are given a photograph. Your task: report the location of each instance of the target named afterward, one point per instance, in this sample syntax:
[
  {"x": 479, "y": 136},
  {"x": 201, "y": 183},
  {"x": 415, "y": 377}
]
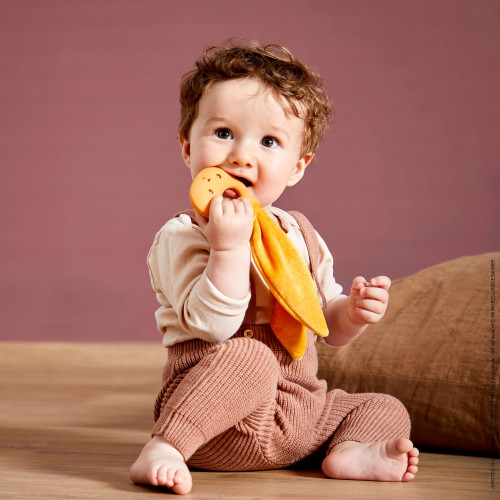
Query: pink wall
[{"x": 407, "y": 177}]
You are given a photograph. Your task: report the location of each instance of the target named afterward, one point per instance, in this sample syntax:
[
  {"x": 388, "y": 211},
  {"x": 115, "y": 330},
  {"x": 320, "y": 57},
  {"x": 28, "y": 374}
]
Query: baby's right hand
[{"x": 230, "y": 223}]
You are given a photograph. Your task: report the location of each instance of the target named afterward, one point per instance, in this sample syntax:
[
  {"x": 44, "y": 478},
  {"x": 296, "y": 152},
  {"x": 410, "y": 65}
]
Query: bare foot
[
  {"x": 392, "y": 460},
  {"x": 160, "y": 464}
]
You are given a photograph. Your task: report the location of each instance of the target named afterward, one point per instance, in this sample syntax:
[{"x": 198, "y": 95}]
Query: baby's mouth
[
  {"x": 244, "y": 181},
  {"x": 232, "y": 193}
]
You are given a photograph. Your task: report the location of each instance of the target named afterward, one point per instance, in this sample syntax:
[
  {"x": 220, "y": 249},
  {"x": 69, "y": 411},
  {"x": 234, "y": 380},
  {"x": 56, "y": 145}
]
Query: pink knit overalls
[{"x": 245, "y": 404}]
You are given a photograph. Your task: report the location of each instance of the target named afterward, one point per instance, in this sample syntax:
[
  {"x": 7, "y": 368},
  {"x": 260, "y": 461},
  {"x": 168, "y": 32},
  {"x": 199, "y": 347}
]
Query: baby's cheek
[{"x": 210, "y": 155}]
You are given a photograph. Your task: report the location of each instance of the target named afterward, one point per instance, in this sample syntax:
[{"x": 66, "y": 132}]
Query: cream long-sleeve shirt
[{"x": 190, "y": 305}]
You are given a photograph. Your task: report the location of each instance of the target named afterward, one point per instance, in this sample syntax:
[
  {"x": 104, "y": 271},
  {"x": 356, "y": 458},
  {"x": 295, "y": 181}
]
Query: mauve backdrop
[{"x": 408, "y": 175}]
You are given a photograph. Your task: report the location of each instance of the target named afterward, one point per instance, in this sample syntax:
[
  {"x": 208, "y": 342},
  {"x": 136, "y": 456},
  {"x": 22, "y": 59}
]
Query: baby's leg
[
  {"x": 371, "y": 441},
  {"x": 233, "y": 380},
  {"x": 229, "y": 383},
  {"x": 160, "y": 464},
  {"x": 391, "y": 460}
]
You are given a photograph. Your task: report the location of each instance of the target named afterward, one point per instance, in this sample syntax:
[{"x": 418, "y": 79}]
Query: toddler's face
[{"x": 243, "y": 129}]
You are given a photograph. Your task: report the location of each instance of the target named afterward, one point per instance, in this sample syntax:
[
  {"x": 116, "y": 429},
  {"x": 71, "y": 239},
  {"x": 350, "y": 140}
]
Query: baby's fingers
[
  {"x": 247, "y": 204},
  {"x": 371, "y": 305},
  {"x": 368, "y": 317},
  {"x": 216, "y": 207},
  {"x": 374, "y": 293},
  {"x": 243, "y": 206},
  {"x": 381, "y": 282},
  {"x": 358, "y": 284}
]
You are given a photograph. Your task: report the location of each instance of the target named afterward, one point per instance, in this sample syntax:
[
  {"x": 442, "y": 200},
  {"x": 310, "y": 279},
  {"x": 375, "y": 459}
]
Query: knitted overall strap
[{"x": 312, "y": 244}]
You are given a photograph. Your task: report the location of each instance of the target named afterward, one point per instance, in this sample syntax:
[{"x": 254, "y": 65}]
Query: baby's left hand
[{"x": 368, "y": 301}]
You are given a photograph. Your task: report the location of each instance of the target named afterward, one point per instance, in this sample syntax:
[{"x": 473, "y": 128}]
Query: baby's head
[{"x": 299, "y": 88}]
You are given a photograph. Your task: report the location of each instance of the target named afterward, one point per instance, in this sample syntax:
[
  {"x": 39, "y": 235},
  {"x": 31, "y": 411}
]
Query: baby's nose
[{"x": 242, "y": 155}]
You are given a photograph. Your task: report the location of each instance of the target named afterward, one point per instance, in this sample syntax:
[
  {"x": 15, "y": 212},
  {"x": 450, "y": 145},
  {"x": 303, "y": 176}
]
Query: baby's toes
[
  {"x": 171, "y": 476},
  {"x": 182, "y": 483},
  {"x": 412, "y": 469},
  {"x": 161, "y": 476},
  {"x": 179, "y": 477},
  {"x": 413, "y": 460},
  {"x": 150, "y": 477},
  {"x": 408, "y": 476}
]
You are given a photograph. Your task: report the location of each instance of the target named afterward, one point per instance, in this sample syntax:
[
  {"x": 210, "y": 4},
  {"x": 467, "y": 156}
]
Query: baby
[{"x": 233, "y": 398}]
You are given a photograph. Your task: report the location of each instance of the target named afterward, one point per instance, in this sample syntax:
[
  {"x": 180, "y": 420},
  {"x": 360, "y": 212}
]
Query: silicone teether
[{"x": 213, "y": 181}]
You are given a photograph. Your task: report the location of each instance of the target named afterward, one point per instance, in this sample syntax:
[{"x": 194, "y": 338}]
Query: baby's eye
[
  {"x": 269, "y": 142},
  {"x": 223, "y": 133}
]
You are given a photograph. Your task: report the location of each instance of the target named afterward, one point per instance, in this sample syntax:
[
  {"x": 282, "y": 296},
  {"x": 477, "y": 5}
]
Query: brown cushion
[{"x": 433, "y": 352}]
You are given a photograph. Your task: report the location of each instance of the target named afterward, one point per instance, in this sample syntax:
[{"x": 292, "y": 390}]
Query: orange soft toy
[{"x": 279, "y": 262}]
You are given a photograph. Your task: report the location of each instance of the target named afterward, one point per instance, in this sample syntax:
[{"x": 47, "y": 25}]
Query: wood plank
[{"x": 74, "y": 416}]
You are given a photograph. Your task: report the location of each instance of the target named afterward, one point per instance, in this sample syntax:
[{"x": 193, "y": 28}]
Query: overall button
[{"x": 248, "y": 333}]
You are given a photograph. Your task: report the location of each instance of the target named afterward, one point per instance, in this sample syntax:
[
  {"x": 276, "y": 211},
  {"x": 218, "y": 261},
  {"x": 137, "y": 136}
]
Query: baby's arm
[
  {"x": 347, "y": 317},
  {"x": 228, "y": 230}
]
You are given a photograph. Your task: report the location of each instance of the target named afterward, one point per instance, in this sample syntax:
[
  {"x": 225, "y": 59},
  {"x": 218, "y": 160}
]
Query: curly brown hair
[{"x": 275, "y": 66}]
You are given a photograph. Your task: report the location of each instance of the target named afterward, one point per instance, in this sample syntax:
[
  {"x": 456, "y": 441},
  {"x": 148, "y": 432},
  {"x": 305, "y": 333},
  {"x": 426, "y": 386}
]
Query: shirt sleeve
[
  {"x": 191, "y": 306},
  {"x": 331, "y": 288}
]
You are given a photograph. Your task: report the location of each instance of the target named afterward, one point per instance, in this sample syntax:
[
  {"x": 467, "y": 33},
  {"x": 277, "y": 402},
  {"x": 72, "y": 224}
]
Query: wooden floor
[{"x": 74, "y": 416}]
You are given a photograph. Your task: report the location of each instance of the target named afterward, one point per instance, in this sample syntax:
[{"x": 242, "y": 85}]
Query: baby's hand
[
  {"x": 230, "y": 223},
  {"x": 368, "y": 301}
]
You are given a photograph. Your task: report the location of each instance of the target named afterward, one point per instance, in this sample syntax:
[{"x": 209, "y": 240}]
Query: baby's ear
[
  {"x": 300, "y": 169},
  {"x": 185, "y": 149}
]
